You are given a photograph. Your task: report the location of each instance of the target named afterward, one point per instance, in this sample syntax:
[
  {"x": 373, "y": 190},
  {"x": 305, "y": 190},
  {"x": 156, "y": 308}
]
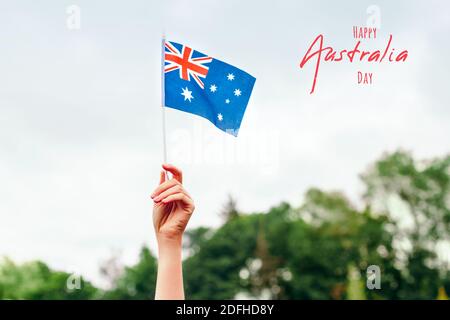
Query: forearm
[{"x": 169, "y": 283}]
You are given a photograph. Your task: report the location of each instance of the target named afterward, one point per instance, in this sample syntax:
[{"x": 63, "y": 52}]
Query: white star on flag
[
  {"x": 227, "y": 101},
  {"x": 187, "y": 94},
  {"x": 220, "y": 117},
  {"x": 237, "y": 92},
  {"x": 213, "y": 88},
  {"x": 230, "y": 76}
]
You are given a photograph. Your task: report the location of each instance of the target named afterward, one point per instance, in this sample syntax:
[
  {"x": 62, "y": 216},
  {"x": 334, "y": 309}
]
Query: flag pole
[{"x": 163, "y": 100}]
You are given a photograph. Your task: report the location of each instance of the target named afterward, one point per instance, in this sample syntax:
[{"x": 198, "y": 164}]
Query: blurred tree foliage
[
  {"x": 137, "y": 282},
  {"x": 318, "y": 250},
  {"x": 423, "y": 187},
  {"x": 35, "y": 280}
]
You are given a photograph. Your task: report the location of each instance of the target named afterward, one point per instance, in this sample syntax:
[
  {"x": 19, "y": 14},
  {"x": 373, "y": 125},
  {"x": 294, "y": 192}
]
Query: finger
[
  {"x": 179, "y": 197},
  {"x": 164, "y": 186},
  {"x": 177, "y": 174},
  {"x": 162, "y": 177},
  {"x": 178, "y": 188},
  {"x": 172, "y": 190}
]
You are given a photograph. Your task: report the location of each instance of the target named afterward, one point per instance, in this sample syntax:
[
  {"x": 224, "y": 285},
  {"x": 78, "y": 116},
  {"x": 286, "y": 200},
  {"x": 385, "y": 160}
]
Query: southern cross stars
[
  {"x": 237, "y": 92},
  {"x": 227, "y": 101},
  {"x": 187, "y": 94},
  {"x": 213, "y": 88},
  {"x": 230, "y": 76},
  {"x": 220, "y": 117}
]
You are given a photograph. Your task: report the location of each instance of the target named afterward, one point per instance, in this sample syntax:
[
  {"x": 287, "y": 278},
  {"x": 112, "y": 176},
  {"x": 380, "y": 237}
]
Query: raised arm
[{"x": 172, "y": 209}]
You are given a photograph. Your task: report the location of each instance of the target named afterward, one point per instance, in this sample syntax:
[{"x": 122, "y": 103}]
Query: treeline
[{"x": 319, "y": 250}]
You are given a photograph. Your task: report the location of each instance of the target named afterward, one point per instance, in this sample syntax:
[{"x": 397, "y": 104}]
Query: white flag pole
[{"x": 163, "y": 100}]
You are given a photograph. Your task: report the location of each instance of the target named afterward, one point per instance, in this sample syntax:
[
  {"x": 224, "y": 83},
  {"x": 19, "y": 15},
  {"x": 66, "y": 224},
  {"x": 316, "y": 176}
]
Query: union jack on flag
[
  {"x": 219, "y": 92},
  {"x": 189, "y": 62}
]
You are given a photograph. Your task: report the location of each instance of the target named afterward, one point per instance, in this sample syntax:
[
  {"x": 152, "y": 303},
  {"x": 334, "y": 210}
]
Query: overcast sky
[{"x": 80, "y": 117}]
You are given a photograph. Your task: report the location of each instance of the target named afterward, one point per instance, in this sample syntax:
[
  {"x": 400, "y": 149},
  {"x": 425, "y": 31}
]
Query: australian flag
[{"x": 199, "y": 84}]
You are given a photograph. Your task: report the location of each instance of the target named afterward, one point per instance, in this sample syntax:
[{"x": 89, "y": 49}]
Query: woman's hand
[
  {"x": 171, "y": 212},
  {"x": 173, "y": 206}
]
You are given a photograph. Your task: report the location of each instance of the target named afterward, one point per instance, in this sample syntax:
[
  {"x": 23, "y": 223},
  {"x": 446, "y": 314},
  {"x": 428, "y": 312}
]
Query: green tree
[
  {"x": 36, "y": 281},
  {"x": 229, "y": 210},
  {"x": 423, "y": 187},
  {"x": 292, "y": 253},
  {"x": 403, "y": 187},
  {"x": 213, "y": 272},
  {"x": 137, "y": 282}
]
